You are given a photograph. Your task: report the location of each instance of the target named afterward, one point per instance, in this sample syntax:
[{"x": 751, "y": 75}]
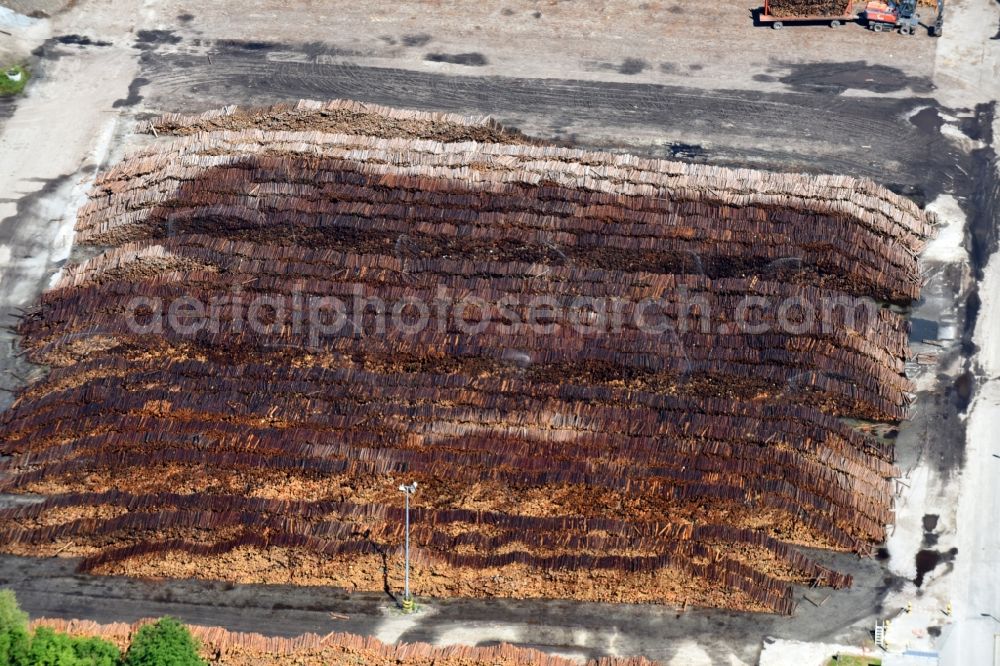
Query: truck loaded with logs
[{"x": 879, "y": 16}]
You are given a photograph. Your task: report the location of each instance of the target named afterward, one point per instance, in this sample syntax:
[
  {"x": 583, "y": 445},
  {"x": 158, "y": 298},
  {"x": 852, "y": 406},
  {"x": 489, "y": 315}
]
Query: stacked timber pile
[
  {"x": 338, "y": 115},
  {"x": 613, "y": 378},
  {"x": 230, "y": 648},
  {"x": 790, "y": 8}
]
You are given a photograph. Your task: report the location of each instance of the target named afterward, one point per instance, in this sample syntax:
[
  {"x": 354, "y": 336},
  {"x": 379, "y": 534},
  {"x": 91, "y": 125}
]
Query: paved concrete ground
[{"x": 914, "y": 113}]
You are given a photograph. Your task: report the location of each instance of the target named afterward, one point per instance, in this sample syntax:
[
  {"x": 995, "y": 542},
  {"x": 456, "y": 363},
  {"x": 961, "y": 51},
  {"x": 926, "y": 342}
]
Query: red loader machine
[
  {"x": 901, "y": 16},
  {"x": 889, "y": 16}
]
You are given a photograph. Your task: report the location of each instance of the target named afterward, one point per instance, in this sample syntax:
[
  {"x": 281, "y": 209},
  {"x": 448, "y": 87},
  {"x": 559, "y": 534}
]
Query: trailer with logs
[
  {"x": 878, "y": 16},
  {"x": 777, "y": 13}
]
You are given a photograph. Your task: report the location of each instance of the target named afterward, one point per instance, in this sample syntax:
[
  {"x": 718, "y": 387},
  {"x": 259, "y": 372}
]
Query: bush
[
  {"x": 46, "y": 647},
  {"x": 14, "y": 640},
  {"x": 14, "y": 647},
  {"x": 165, "y": 643},
  {"x": 51, "y": 649},
  {"x": 13, "y": 79},
  {"x": 11, "y": 614},
  {"x": 96, "y": 652}
]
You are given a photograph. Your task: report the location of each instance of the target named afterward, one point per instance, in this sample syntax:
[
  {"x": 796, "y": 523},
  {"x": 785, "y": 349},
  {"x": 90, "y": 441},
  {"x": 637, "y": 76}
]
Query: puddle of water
[
  {"x": 923, "y": 329},
  {"x": 928, "y": 120},
  {"x": 927, "y": 560},
  {"x": 964, "y": 386}
]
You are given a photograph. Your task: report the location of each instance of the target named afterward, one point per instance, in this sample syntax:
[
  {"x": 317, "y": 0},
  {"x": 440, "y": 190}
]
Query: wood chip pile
[
  {"x": 229, "y": 648},
  {"x": 599, "y": 453}
]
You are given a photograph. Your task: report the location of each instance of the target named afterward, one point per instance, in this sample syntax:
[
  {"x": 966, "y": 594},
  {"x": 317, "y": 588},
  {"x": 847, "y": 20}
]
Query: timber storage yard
[{"x": 680, "y": 347}]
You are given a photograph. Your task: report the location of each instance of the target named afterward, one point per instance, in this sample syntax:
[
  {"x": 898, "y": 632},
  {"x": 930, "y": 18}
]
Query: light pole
[
  {"x": 407, "y": 601},
  {"x": 996, "y": 637}
]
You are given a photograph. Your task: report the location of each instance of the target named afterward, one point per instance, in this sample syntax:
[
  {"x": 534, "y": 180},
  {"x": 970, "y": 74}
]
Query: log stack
[
  {"x": 792, "y": 8},
  {"x": 231, "y": 648},
  {"x": 200, "y": 420}
]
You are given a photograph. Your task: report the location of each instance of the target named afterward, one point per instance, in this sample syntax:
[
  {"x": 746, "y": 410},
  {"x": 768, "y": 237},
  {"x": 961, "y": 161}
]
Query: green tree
[
  {"x": 96, "y": 652},
  {"x": 14, "y": 640},
  {"x": 51, "y": 649},
  {"x": 165, "y": 643},
  {"x": 14, "y": 647},
  {"x": 46, "y": 647},
  {"x": 11, "y": 614}
]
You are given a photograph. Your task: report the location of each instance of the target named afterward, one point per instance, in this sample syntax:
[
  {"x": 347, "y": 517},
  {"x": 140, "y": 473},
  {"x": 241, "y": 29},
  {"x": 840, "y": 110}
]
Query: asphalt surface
[{"x": 815, "y": 127}]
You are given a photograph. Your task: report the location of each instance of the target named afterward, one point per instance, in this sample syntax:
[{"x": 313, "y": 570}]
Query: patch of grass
[
  {"x": 13, "y": 79},
  {"x": 853, "y": 660}
]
